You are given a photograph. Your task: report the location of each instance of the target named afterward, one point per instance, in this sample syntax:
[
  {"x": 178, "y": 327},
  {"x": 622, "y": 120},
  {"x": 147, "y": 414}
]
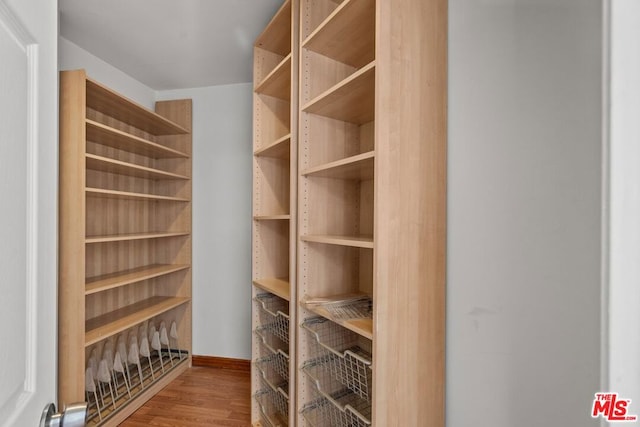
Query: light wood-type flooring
[{"x": 199, "y": 397}]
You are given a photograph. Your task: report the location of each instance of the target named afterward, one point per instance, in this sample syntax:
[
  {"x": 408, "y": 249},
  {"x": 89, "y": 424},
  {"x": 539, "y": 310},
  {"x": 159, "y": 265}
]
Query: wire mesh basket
[
  {"x": 274, "y": 369},
  {"x": 345, "y": 307},
  {"x": 346, "y": 406},
  {"x": 274, "y": 315},
  {"x": 323, "y": 413},
  {"x": 274, "y": 408},
  {"x": 341, "y": 355},
  {"x": 270, "y": 343}
]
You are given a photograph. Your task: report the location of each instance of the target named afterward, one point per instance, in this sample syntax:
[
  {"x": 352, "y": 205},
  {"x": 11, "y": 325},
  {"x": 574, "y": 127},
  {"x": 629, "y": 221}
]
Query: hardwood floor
[{"x": 199, "y": 397}]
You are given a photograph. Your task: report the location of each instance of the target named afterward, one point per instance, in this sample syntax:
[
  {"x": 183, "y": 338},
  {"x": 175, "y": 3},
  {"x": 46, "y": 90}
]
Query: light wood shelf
[
  {"x": 106, "y": 101},
  {"x": 272, "y": 217},
  {"x": 105, "y": 164},
  {"x": 347, "y": 35},
  {"x": 363, "y": 327},
  {"x": 277, "y": 286},
  {"x": 353, "y": 241},
  {"x": 356, "y": 167},
  {"x": 125, "y": 195},
  {"x": 133, "y": 236},
  {"x": 106, "y": 135},
  {"x": 123, "y": 278},
  {"x": 352, "y": 100},
  {"x": 112, "y": 323},
  {"x": 278, "y": 149},
  {"x": 278, "y": 82},
  {"x": 276, "y": 36}
]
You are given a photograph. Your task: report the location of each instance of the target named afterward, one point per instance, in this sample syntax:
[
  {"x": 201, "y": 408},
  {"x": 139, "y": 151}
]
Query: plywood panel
[
  {"x": 410, "y": 212},
  {"x": 72, "y": 235}
]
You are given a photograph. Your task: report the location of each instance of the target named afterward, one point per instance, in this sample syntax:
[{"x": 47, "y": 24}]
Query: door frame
[{"x": 620, "y": 349}]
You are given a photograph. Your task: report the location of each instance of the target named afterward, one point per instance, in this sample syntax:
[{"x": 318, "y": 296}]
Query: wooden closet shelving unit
[
  {"x": 274, "y": 218},
  {"x": 371, "y": 213},
  {"x": 336, "y": 215},
  {"x": 366, "y": 300},
  {"x": 125, "y": 244}
]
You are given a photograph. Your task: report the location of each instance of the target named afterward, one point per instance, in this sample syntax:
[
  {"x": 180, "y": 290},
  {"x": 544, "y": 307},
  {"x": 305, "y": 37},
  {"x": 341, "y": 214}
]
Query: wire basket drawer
[
  {"x": 270, "y": 343},
  {"x": 274, "y": 407},
  {"x": 343, "y": 357},
  {"x": 274, "y": 315},
  {"x": 274, "y": 369},
  {"x": 334, "y": 412},
  {"x": 334, "y": 404}
]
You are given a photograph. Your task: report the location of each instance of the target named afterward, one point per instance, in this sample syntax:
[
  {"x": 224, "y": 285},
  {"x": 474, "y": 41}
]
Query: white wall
[
  {"x": 222, "y": 117},
  {"x": 624, "y": 340},
  {"x": 72, "y": 57},
  {"x": 523, "y": 331}
]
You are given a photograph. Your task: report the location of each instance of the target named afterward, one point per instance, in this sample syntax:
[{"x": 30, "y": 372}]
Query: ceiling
[{"x": 170, "y": 44}]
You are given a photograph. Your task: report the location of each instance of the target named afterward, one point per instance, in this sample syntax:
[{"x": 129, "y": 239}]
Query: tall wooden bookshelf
[
  {"x": 366, "y": 299},
  {"x": 275, "y": 174},
  {"x": 125, "y": 246},
  {"x": 371, "y": 213}
]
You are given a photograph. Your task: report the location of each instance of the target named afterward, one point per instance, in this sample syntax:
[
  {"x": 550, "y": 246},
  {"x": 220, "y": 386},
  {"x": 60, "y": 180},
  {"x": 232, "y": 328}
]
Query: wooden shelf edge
[
  {"x": 170, "y": 128},
  {"x": 133, "y": 169},
  {"x": 277, "y": 286},
  {"x": 152, "y": 146},
  {"x": 273, "y": 76},
  {"x": 114, "y": 322},
  {"x": 134, "y": 236},
  {"x": 125, "y": 195},
  {"x": 357, "y": 75},
  {"x": 363, "y": 327},
  {"x": 263, "y": 152},
  {"x": 272, "y": 217},
  {"x": 355, "y": 241},
  {"x": 128, "y": 277},
  {"x": 352, "y": 161}
]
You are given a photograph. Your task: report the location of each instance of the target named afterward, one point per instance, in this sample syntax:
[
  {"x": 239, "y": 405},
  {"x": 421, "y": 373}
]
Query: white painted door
[{"x": 28, "y": 211}]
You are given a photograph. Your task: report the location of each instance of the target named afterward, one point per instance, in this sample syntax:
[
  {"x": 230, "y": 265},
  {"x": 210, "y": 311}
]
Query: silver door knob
[{"x": 74, "y": 415}]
